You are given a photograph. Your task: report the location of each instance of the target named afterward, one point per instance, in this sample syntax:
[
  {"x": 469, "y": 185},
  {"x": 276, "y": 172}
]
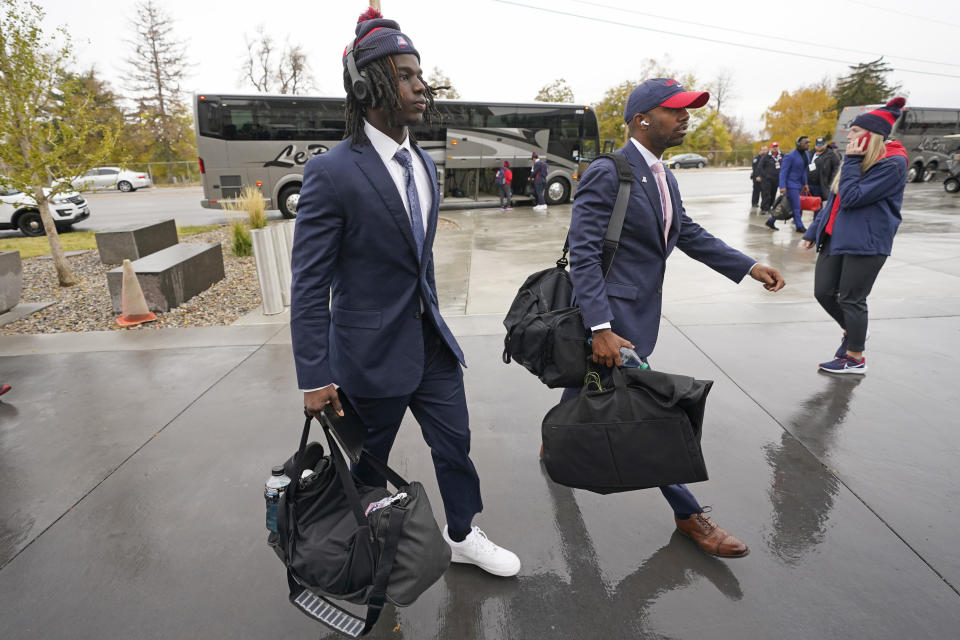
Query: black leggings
[{"x": 841, "y": 285}]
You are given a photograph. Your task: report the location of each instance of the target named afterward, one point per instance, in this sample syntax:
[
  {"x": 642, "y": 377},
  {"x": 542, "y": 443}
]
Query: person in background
[
  {"x": 855, "y": 234},
  {"x": 769, "y": 177},
  {"x": 755, "y": 178},
  {"x": 824, "y": 164},
  {"x": 503, "y": 181},
  {"x": 793, "y": 181},
  {"x": 538, "y": 175}
]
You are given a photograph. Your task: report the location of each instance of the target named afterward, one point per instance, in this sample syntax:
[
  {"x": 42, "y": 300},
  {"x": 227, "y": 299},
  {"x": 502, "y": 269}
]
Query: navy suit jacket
[
  {"x": 355, "y": 310},
  {"x": 631, "y": 295},
  {"x": 793, "y": 170}
]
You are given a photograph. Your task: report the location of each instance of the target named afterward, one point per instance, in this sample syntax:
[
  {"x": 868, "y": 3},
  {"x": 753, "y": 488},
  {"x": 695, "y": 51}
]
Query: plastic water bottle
[
  {"x": 629, "y": 358},
  {"x": 274, "y": 488}
]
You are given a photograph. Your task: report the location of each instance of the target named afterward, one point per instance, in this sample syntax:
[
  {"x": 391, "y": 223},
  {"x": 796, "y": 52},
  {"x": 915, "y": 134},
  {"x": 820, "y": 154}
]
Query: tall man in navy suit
[
  {"x": 623, "y": 309},
  {"x": 364, "y": 314}
]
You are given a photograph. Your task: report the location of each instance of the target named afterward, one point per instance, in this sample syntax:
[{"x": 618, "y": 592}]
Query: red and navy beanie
[
  {"x": 377, "y": 38},
  {"x": 880, "y": 120}
]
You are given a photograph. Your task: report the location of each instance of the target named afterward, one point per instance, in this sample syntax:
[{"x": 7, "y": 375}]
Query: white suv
[{"x": 19, "y": 211}]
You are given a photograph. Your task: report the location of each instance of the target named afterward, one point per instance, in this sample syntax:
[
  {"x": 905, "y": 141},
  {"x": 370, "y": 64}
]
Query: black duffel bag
[
  {"x": 343, "y": 540},
  {"x": 545, "y": 332},
  {"x": 642, "y": 432},
  {"x": 781, "y": 208}
]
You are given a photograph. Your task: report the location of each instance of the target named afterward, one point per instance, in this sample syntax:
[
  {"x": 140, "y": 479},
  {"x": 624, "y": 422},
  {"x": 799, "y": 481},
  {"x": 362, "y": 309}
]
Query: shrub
[
  {"x": 252, "y": 202},
  {"x": 242, "y": 244}
]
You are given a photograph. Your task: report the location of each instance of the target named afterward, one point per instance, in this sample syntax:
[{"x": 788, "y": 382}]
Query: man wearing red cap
[{"x": 623, "y": 308}]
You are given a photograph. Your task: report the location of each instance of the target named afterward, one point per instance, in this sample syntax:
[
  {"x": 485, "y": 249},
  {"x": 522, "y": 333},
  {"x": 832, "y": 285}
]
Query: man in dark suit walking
[
  {"x": 623, "y": 308},
  {"x": 755, "y": 178},
  {"x": 364, "y": 314}
]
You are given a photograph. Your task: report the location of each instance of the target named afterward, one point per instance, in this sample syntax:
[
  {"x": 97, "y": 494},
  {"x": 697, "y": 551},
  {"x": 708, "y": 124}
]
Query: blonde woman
[{"x": 854, "y": 232}]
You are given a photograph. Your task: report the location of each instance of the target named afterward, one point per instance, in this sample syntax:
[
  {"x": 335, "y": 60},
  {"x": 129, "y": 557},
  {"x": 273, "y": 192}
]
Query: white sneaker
[{"x": 478, "y": 549}]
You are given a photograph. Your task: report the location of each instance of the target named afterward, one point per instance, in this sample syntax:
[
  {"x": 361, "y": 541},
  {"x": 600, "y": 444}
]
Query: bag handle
[{"x": 611, "y": 239}]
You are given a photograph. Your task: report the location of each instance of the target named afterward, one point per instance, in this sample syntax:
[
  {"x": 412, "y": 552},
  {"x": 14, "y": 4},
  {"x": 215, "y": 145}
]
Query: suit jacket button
[{"x": 417, "y": 315}]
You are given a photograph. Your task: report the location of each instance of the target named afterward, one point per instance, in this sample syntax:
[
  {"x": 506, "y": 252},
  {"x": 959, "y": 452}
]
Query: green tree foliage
[
  {"x": 556, "y": 91},
  {"x": 50, "y": 125},
  {"x": 708, "y": 135},
  {"x": 865, "y": 84},
  {"x": 155, "y": 68},
  {"x": 441, "y": 84},
  {"x": 808, "y": 111}
]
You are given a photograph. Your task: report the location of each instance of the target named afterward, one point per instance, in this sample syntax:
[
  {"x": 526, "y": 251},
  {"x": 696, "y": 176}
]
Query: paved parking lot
[{"x": 132, "y": 463}]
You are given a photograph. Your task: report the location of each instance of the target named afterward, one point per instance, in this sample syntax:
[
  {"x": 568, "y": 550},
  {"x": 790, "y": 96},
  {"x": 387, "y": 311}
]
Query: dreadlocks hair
[{"x": 383, "y": 80}]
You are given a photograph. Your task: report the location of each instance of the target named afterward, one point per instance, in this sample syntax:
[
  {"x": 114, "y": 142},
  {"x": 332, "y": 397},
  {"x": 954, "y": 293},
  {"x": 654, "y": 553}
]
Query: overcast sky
[{"x": 506, "y": 50}]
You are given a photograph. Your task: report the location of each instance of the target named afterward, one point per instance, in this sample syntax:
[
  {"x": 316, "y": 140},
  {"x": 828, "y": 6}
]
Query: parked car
[
  {"x": 19, "y": 211},
  {"x": 111, "y": 178},
  {"x": 687, "y": 160}
]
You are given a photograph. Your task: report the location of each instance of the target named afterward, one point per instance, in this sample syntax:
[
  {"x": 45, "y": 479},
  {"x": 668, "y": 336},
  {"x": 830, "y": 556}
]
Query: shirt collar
[
  {"x": 384, "y": 145},
  {"x": 646, "y": 153}
]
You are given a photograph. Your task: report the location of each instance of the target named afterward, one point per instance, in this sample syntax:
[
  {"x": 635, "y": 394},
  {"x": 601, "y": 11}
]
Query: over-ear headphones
[{"x": 359, "y": 84}]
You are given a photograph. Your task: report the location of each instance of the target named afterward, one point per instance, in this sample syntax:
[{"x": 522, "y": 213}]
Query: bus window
[{"x": 208, "y": 119}]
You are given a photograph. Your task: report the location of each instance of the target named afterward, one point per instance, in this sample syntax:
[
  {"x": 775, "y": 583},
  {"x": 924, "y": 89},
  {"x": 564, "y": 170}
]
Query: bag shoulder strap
[{"x": 611, "y": 239}]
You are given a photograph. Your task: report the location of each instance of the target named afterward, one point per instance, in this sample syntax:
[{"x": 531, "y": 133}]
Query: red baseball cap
[
  {"x": 774, "y": 144},
  {"x": 662, "y": 92}
]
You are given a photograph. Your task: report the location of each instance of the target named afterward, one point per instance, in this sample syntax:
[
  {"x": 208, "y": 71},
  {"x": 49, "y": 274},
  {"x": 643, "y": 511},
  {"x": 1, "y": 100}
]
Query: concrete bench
[
  {"x": 11, "y": 280},
  {"x": 171, "y": 276},
  {"x": 135, "y": 242}
]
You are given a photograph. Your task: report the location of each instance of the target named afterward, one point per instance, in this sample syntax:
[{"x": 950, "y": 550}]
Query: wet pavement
[{"x": 132, "y": 464}]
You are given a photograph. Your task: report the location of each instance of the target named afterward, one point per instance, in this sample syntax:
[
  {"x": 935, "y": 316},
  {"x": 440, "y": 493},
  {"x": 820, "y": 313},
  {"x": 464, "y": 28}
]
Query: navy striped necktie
[{"x": 416, "y": 217}]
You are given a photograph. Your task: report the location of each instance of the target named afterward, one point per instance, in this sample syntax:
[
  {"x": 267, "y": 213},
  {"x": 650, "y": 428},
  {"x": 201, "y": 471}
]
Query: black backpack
[
  {"x": 343, "y": 540},
  {"x": 545, "y": 333}
]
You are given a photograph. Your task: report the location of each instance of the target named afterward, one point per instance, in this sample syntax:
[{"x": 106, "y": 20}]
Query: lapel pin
[{"x": 643, "y": 179}]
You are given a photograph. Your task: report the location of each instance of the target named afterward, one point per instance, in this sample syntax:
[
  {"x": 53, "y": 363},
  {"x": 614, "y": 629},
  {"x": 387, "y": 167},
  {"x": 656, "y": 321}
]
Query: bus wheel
[
  {"x": 289, "y": 197},
  {"x": 951, "y": 185},
  {"x": 929, "y": 172},
  {"x": 913, "y": 173},
  {"x": 558, "y": 191}
]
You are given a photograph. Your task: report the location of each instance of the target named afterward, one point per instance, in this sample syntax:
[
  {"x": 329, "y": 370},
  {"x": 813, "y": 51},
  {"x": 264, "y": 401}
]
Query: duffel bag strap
[
  {"x": 343, "y": 473},
  {"x": 611, "y": 239},
  {"x": 322, "y": 610},
  {"x": 383, "y": 469}
]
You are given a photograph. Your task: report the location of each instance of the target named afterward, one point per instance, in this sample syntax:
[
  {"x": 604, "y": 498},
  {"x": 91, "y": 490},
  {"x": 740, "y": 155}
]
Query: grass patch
[{"x": 75, "y": 241}]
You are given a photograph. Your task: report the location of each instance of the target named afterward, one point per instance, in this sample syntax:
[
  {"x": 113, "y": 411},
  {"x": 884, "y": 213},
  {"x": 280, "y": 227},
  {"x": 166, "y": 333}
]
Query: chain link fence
[{"x": 182, "y": 173}]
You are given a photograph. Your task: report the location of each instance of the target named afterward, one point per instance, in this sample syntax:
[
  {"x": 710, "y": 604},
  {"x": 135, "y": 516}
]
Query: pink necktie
[{"x": 665, "y": 201}]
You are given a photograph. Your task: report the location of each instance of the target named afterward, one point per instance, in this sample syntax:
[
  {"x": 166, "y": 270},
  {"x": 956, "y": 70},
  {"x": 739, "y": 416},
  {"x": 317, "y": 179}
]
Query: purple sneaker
[{"x": 845, "y": 364}]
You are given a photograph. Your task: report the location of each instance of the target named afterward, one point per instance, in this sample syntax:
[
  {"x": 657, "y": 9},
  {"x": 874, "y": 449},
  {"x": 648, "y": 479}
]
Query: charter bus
[
  {"x": 264, "y": 140},
  {"x": 920, "y": 130}
]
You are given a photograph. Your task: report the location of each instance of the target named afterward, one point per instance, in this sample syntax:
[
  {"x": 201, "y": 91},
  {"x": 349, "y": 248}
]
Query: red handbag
[{"x": 810, "y": 203}]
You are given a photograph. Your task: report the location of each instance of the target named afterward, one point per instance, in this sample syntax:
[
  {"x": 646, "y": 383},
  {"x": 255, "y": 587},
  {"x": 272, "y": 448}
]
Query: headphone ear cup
[{"x": 359, "y": 84}]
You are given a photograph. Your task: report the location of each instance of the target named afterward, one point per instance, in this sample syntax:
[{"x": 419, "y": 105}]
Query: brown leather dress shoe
[{"x": 705, "y": 532}]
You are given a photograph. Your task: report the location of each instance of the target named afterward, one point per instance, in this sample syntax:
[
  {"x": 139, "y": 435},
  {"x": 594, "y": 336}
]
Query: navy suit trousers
[
  {"x": 681, "y": 500},
  {"x": 439, "y": 405}
]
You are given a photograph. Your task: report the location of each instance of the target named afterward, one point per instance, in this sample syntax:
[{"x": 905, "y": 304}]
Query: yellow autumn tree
[{"x": 808, "y": 111}]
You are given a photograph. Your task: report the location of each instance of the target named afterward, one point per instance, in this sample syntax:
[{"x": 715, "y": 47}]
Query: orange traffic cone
[{"x": 133, "y": 303}]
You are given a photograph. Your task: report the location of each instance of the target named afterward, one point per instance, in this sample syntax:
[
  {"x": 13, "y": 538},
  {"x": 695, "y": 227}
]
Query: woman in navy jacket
[{"x": 854, "y": 232}]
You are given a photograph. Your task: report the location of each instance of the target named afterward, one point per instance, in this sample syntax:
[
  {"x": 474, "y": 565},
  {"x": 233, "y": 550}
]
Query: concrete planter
[{"x": 11, "y": 280}]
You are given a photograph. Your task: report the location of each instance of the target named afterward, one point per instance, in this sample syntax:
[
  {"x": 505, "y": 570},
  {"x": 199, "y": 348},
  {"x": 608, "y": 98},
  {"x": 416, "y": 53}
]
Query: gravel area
[{"x": 87, "y": 307}]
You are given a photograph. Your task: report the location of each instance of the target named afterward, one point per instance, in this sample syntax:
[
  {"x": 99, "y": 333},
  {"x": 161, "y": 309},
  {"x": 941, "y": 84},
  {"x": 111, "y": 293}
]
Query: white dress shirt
[{"x": 386, "y": 147}]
